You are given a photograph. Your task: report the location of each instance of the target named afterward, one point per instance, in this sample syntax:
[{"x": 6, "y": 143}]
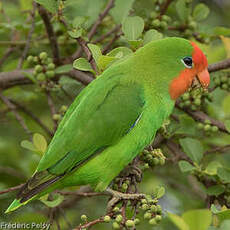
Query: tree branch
[
  {"x": 225, "y": 64},
  {"x": 11, "y": 189},
  {"x": 51, "y": 34}
]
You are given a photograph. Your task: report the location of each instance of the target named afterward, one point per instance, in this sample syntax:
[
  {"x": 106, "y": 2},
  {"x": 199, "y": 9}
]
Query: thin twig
[
  {"x": 26, "y": 49},
  {"x": 11, "y": 189},
  {"x": 51, "y": 34},
  {"x": 12, "y": 107}
]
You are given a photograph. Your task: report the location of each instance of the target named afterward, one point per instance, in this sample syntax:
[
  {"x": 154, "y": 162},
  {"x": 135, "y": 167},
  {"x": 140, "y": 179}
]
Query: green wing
[{"x": 99, "y": 118}]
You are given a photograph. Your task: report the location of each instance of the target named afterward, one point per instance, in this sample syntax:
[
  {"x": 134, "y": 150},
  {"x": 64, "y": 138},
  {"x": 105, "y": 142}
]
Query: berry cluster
[
  {"x": 58, "y": 116},
  {"x": 207, "y": 127},
  {"x": 194, "y": 99},
  {"x": 222, "y": 80},
  {"x": 152, "y": 158},
  {"x": 43, "y": 66}
]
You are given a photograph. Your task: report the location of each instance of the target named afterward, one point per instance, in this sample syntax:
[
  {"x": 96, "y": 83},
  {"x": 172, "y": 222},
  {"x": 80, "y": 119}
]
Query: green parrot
[{"x": 116, "y": 116}]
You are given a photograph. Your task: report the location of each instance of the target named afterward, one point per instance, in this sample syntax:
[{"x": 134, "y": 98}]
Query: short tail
[{"x": 15, "y": 205}]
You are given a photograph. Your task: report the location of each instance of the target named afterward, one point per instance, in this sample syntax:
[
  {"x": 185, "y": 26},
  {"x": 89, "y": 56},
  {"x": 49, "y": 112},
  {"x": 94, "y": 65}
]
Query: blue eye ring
[{"x": 187, "y": 61}]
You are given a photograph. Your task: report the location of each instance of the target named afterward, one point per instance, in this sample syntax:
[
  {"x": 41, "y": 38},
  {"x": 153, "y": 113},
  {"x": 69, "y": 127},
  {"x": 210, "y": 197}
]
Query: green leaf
[
  {"x": 178, "y": 221},
  {"x": 82, "y": 64},
  {"x": 76, "y": 33},
  {"x": 215, "y": 190},
  {"x": 121, "y": 10},
  {"x": 224, "y": 174},
  {"x": 199, "y": 219},
  {"x": 193, "y": 149},
  {"x": 221, "y": 214},
  {"x": 120, "y": 52},
  {"x": 212, "y": 167},
  {"x": 105, "y": 61},
  {"x": 96, "y": 52},
  {"x": 182, "y": 10},
  {"x": 135, "y": 44},
  {"x": 187, "y": 125},
  {"x": 50, "y": 5},
  {"x": 200, "y": 12},
  {"x": 39, "y": 142},
  {"x": 79, "y": 22},
  {"x": 57, "y": 199},
  {"x": 133, "y": 27},
  {"x": 152, "y": 35},
  {"x": 28, "y": 145},
  {"x": 158, "y": 192},
  {"x": 219, "y": 30},
  {"x": 185, "y": 166},
  {"x": 63, "y": 69}
]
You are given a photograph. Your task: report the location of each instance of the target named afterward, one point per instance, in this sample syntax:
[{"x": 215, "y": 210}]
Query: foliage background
[{"x": 186, "y": 189}]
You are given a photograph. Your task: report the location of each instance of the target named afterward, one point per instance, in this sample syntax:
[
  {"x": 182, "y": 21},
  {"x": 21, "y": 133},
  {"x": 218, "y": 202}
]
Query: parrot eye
[{"x": 187, "y": 61}]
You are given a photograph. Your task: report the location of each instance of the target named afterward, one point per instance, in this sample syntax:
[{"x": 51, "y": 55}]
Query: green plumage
[{"x": 110, "y": 122}]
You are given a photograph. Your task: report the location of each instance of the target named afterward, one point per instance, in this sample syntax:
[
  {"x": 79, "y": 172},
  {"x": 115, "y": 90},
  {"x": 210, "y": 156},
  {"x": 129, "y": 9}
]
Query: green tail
[{"x": 15, "y": 205}]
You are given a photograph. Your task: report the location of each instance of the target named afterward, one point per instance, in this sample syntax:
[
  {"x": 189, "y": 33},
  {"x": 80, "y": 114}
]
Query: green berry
[
  {"x": 116, "y": 225},
  {"x": 224, "y": 86},
  {"x": 192, "y": 25},
  {"x": 197, "y": 102},
  {"x": 187, "y": 103},
  {"x": 136, "y": 221},
  {"x": 164, "y": 25},
  {"x": 147, "y": 216},
  {"x": 144, "y": 207},
  {"x": 153, "y": 14},
  {"x": 143, "y": 201},
  {"x": 159, "y": 210},
  {"x": 43, "y": 55},
  {"x": 38, "y": 68},
  {"x": 162, "y": 161},
  {"x": 50, "y": 74},
  {"x": 129, "y": 223},
  {"x": 57, "y": 117},
  {"x": 116, "y": 209},
  {"x": 153, "y": 208},
  {"x": 107, "y": 219},
  {"x": 153, "y": 222},
  {"x": 35, "y": 59},
  {"x": 41, "y": 76},
  {"x": 200, "y": 125},
  {"x": 30, "y": 59},
  {"x": 119, "y": 218},
  {"x": 214, "y": 129},
  {"x": 166, "y": 18},
  {"x": 146, "y": 166},
  {"x": 207, "y": 127},
  {"x": 51, "y": 66},
  {"x": 63, "y": 108},
  {"x": 156, "y": 23},
  {"x": 185, "y": 96},
  {"x": 156, "y": 161},
  {"x": 149, "y": 157},
  {"x": 83, "y": 217},
  {"x": 193, "y": 107},
  {"x": 206, "y": 121},
  {"x": 158, "y": 218}
]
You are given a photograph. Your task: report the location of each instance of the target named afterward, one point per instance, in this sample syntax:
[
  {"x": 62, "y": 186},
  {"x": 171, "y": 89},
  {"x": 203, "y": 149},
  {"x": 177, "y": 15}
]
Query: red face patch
[{"x": 183, "y": 81}]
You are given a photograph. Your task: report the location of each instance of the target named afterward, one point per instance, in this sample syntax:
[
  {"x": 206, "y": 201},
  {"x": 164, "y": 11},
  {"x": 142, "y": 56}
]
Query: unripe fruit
[
  {"x": 107, "y": 219},
  {"x": 147, "y": 216},
  {"x": 153, "y": 222},
  {"x": 38, "y": 68},
  {"x": 50, "y": 74},
  {"x": 192, "y": 25},
  {"x": 156, "y": 161},
  {"x": 200, "y": 125},
  {"x": 166, "y": 18},
  {"x": 187, "y": 103},
  {"x": 41, "y": 77},
  {"x": 159, "y": 208},
  {"x": 35, "y": 59},
  {"x": 156, "y": 23},
  {"x": 116, "y": 209},
  {"x": 56, "y": 117},
  {"x": 185, "y": 96},
  {"x": 63, "y": 108},
  {"x": 207, "y": 128},
  {"x": 214, "y": 129},
  {"x": 158, "y": 218},
  {"x": 143, "y": 201},
  {"x": 146, "y": 166},
  {"x": 51, "y": 66},
  {"x": 119, "y": 218},
  {"x": 224, "y": 86},
  {"x": 162, "y": 161},
  {"x": 153, "y": 208},
  {"x": 145, "y": 207},
  {"x": 129, "y": 223},
  {"x": 43, "y": 55},
  {"x": 116, "y": 225},
  {"x": 83, "y": 217},
  {"x": 197, "y": 101},
  {"x": 136, "y": 221},
  {"x": 30, "y": 59},
  {"x": 153, "y": 14},
  {"x": 206, "y": 121},
  {"x": 164, "y": 25}
]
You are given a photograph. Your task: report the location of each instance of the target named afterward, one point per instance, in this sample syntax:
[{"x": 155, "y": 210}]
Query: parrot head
[{"x": 193, "y": 73}]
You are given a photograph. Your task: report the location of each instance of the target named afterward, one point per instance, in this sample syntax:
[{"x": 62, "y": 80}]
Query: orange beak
[{"x": 204, "y": 78}]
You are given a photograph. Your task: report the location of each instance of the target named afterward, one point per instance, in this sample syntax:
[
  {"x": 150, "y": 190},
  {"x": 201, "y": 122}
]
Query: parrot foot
[
  {"x": 134, "y": 170},
  {"x": 118, "y": 196}
]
